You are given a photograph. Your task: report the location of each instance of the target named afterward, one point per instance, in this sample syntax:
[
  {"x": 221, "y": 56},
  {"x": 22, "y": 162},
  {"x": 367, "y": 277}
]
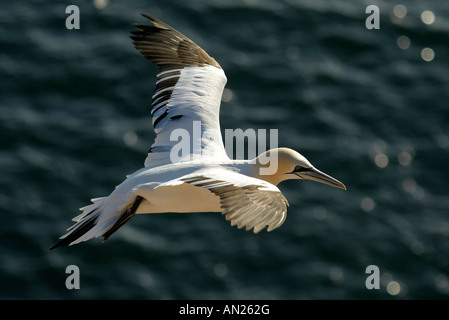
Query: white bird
[{"x": 189, "y": 87}]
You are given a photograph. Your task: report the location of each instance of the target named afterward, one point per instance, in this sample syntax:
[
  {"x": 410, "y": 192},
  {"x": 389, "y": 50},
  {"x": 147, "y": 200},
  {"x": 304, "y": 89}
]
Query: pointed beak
[{"x": 316, "y": 175}]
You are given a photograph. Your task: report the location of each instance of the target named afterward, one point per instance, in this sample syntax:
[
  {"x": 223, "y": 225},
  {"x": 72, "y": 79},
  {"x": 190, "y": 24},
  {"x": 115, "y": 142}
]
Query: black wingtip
[
  {"x": 57, "y": 245},
  {"x": 76, "y": 233},
  {"x": 62, "y": 243}
]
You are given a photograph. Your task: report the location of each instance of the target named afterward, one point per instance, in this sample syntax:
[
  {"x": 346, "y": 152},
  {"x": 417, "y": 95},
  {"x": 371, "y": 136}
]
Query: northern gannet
[{"x": 188, "y": 89}]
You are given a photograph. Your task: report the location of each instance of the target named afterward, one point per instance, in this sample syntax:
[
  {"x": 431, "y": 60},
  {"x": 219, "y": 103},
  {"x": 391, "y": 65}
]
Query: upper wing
[
  {"x": 246, "y": 202},
  {"x": 187, "y": 95}
]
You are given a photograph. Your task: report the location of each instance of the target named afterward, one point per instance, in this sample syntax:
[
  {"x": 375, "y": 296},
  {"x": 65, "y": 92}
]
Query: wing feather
[
  {"x": 189, "y": 87},
  {"x": 245, "y": 201}
]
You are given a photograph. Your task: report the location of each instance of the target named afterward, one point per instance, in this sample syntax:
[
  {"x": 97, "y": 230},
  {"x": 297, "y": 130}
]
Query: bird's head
[{"x": 277, "y": 165}]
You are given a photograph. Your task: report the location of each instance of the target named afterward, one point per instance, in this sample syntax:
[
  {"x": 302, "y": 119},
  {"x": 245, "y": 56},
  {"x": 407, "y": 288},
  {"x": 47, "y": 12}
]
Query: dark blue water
[{"x": 74, "y": 120}]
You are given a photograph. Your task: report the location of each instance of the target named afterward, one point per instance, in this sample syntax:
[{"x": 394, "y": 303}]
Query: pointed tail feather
[
  {"x": 87, "y": 226},
  {"x": 123, "y": 219}
]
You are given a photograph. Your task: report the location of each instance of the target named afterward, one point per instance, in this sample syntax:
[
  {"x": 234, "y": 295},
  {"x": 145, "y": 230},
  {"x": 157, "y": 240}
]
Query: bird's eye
[{"x": 298, "y": 168}]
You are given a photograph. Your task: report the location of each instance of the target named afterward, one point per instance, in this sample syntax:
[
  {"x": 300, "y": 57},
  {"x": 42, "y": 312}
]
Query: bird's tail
[{"x": 89, "y": 225}]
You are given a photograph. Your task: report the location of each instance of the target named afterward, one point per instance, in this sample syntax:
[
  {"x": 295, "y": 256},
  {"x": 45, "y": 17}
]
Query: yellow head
[{"x": 277, "y": 165}]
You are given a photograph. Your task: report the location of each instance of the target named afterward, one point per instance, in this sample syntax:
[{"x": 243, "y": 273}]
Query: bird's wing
[
  {"x": 187, "y": 95},
  {"x": 245, "y": 201}
]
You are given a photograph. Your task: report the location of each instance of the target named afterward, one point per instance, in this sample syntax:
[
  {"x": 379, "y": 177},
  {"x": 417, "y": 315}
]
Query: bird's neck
[
  {"x": 264, "y": 172},
  {"x": 273, "y": 179}
]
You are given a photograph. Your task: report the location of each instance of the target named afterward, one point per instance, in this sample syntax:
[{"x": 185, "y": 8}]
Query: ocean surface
[{"x": 369, "y": 107}]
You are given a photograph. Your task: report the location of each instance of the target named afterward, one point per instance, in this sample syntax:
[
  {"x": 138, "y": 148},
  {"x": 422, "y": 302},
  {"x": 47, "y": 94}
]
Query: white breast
[{"x": 181, "y": 198}]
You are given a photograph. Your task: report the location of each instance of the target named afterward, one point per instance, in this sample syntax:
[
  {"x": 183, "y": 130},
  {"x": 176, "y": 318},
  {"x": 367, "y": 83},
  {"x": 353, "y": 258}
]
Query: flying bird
[{"x": 188, "y": 90}]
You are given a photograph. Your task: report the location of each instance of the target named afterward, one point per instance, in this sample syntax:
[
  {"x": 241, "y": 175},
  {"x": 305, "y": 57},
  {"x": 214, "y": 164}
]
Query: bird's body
[
  {"x": 204, "y": 179},
  {"x": 162, "y": 193}
]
